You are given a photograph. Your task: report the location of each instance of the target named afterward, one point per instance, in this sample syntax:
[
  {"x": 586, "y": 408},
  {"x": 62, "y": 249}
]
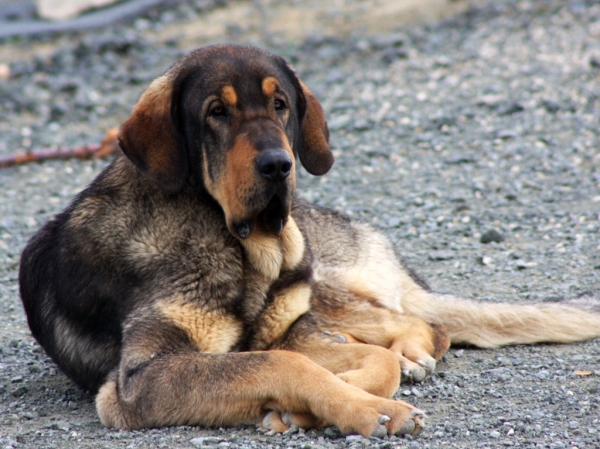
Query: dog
[{"x": 187, "y": 285}]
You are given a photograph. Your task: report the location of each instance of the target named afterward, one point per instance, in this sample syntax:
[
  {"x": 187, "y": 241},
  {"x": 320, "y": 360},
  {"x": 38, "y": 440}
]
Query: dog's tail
[{"x": 488, "y": 325}]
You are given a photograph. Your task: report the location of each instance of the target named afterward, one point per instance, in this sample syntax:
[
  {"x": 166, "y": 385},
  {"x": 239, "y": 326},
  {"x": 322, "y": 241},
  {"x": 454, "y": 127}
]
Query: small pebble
[
  {"x": 441, "y": 255},
  {"x": 491, "y": 235},
  {"x": 415, "y": 392},
  {"x": 202, "y": 441}
]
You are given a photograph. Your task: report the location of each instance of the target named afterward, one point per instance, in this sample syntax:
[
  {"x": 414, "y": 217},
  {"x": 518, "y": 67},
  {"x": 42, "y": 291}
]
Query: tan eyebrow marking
[
  {"x": 269, "y": 85},
  {"x": 229, "y": 96}
]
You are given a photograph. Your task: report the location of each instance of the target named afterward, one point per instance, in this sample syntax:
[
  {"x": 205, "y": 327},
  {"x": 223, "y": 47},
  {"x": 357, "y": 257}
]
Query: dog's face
[{"x": 231, "y": 119}]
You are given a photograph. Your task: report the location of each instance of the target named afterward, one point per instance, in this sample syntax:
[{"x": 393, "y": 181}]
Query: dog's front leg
[{"x": 176, "y": 384}]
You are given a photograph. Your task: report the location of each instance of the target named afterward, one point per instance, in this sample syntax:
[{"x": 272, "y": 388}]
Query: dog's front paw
[{"x": 381, "y": 418}]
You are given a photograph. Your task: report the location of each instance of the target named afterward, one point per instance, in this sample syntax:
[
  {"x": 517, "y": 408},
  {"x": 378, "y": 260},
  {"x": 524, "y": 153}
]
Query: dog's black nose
[{"x": 274, "y": 165}]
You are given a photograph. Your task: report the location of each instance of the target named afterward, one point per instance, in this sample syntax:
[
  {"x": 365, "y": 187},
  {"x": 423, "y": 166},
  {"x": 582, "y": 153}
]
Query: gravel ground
[{"x": 481, "y": 126}]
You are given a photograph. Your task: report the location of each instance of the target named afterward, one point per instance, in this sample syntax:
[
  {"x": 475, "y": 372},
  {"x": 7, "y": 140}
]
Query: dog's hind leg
[
  {"x": 371, "y": 368},
  {"x": 416, "y": 344}
]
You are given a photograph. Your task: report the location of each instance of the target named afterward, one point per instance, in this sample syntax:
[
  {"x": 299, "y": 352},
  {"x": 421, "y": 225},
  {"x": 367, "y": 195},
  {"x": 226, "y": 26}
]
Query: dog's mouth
[{"x": 271, "y": 219}]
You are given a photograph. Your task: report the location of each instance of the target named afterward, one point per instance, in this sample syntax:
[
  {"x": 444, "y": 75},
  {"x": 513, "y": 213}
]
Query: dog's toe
[
  {"x": 418, "y": 370},
  {"x": 272, "y": 421},
  {"x": 380, "y": 432},
  {"x": 414, "y": 426},
  {"x": 428, "y": 364}
]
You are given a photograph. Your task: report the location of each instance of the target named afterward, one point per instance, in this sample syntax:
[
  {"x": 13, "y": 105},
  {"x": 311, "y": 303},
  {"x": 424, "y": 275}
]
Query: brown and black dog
[{"x": 188, "y": 285}]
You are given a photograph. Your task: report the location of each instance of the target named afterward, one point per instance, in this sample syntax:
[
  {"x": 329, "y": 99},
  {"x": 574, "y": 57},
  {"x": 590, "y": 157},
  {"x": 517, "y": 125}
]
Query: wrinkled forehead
[{"x": 208, "y": 71}]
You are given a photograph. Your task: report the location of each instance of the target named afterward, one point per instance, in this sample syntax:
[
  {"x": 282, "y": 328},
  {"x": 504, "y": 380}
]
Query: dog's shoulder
[{"x": 126, "y": 231}]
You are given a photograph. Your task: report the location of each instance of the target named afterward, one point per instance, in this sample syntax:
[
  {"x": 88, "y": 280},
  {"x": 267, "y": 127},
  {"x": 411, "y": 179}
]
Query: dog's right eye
[{"x": 218, "y": 111}]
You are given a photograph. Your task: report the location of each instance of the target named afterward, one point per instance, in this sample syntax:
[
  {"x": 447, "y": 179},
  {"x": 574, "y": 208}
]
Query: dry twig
[{"x": 108, "y": 146}]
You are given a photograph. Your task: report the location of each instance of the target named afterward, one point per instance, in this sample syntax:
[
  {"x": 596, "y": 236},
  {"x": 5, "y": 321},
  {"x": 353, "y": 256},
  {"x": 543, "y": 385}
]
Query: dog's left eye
[{"x": 279, "y": 105}]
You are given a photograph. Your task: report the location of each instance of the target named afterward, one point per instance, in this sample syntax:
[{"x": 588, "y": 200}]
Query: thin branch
[{"x": 108, "y": 146}]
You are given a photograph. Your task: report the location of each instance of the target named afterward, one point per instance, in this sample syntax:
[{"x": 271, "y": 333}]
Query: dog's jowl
[{"x": 188, "y": 285}]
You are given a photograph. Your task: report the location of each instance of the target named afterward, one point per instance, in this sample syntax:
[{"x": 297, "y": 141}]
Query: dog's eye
[
  {"x": 218, "y": 110},
  {"x": 279, "y": 105}
]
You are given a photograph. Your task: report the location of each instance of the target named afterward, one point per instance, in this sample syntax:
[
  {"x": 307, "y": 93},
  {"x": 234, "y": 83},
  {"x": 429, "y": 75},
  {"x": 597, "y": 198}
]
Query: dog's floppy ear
[
  {"x": 149, "y": 137},
  {"x": 314, "y": 135}
]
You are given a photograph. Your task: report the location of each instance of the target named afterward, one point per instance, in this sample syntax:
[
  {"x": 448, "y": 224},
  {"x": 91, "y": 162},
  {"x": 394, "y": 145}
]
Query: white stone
[{"x": 66, "y": 9}]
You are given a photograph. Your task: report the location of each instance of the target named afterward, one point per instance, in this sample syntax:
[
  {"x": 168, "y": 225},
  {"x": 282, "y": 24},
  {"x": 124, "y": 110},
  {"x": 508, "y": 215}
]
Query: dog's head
[{"x": 231, "y": 119}]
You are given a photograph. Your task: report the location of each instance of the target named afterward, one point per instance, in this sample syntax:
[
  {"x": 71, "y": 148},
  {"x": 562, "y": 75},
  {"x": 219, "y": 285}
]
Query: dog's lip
[
  {"x": 271, "y": 218},
  {"x": 274, "y": 215}
]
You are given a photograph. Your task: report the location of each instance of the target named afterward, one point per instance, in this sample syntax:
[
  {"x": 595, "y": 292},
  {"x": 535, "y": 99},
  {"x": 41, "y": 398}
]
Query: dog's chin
[
  {"x": 274, "y": 217},
  {"x": 270, "y": 220}
]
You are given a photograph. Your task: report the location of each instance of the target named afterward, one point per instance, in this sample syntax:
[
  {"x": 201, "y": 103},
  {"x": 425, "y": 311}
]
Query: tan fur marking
[
  {"x": 109, "y": 408},
  {"x": 229, "y": 96},
  {"x": 210, "y": 331},
  {"x": 239, "y": 172},
  {"x": 279, "y": 316},
  {"x": 293, "y": 245},
  {"x": 264, "y": 253},
  {"x": 269, "y": 86},
  {"x": 236, "y": 177},
  {"x": 269, "y": 255}
]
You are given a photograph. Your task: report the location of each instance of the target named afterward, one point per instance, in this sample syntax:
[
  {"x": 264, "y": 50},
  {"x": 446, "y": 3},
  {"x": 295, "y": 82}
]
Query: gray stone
[{"x": 492, "y": 235}]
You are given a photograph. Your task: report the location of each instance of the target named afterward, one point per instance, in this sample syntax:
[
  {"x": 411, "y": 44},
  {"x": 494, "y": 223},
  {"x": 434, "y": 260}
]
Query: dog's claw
[
  {"x": 340, "y": 337},
  {"x": 384, "y": 418},
  {"x": 293, "y": 429}
]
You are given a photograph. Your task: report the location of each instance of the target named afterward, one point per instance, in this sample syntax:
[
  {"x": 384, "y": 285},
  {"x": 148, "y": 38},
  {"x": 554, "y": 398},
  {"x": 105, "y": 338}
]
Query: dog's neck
[{"x": 269, "y": 254}]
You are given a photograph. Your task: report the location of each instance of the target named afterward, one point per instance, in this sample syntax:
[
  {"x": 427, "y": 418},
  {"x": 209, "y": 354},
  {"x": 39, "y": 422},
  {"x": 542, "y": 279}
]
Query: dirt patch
[{"x": 299, "y": 20}]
